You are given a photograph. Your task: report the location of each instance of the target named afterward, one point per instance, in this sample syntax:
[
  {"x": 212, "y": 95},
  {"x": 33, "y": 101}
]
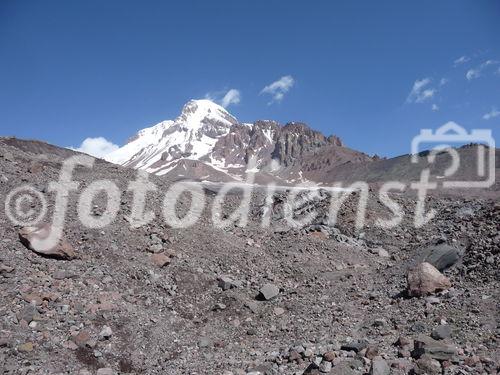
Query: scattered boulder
[
  {"x": 82, "y": 338},
  {"x": 268, "y": 292},
  {"x": 160, "y": 259},
  {"x": 426, "y": 279},
  {"x": 355, "y": 346},
  {"x": 379, "y": 367},
  {"x": 343, "y": 368},
  {"x": 427, "y": 365},
  {"x": 30, "y": 235},
  {"x": 226, "y": 283},
  {"x": 441, "y": 332}
]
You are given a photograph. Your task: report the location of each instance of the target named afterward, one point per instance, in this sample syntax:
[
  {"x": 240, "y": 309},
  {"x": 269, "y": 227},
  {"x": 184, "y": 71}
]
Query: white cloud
[
  {"x": 233, "y": 96},
  {"x": 98, "y": 147},
  {"x": 461, "y": 60},
  {"x": 491, "y": 114},
  {"x": 435, "y": 107},
  {"x": 476, "y": 73},
  {"x": 225, "y": 99},
  {"x": 421, "y": 91},
  {"x": 472, "y": 74},
  {"x": 443, "y": 81},
  {"x": 279, "y": 88}
]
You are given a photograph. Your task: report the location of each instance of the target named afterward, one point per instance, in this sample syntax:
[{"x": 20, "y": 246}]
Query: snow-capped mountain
[
  {"x": 192, "y": 135},
  {"x": 206, "y": 142}
]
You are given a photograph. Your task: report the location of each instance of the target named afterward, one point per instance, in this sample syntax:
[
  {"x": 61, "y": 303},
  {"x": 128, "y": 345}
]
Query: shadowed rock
[{"x": 30, "y": 235}]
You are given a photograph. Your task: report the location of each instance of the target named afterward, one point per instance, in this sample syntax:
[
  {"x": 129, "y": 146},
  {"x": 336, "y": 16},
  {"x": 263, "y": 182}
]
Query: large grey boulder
[
  {"x": 442, "y": 256},
  {"x": 439, "y": 350}
]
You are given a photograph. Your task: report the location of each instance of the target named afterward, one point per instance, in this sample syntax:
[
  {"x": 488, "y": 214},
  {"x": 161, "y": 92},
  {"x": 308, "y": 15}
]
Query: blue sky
[{"x": 71, "y": 70}]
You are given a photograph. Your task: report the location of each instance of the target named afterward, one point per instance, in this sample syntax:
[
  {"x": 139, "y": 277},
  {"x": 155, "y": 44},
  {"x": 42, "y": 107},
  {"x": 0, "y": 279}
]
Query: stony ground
[{"x": 247, "y": 300}]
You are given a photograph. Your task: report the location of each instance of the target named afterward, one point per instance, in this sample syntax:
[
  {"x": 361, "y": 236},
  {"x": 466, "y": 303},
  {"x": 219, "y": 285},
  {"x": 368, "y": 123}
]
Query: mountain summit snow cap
[{"x": 195, "y": 110}]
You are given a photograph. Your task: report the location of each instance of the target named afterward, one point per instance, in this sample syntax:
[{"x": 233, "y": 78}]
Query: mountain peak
[{"x": 204, "y": 108}]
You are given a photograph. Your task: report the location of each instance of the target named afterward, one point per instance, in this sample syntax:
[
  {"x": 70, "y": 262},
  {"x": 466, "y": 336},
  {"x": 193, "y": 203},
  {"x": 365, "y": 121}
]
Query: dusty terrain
[{"x": 334, "y": 300}]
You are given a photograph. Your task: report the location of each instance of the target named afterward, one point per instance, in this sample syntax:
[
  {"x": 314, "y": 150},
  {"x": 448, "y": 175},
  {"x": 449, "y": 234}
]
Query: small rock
[
  {"x": 226, "y": 283},
  {"x": 251, "y": 332},
  {"x": 325, "y": 367},
  {"x": 70, "y": 345},
  {"x": 355, "y": 346},
  {"x": 105, "y": 333},
  {"x": 5, "y": 269},
  {"x": 404, "y": 342},
  {"x": 308, "y": 353},
  {"x": 8, "y": 156},
  {"x": 278, "y": 311},
  {"x": 329, "y": 356},
  {"x": 379, "y": 322},
  {"x": 4, "y": 341},
  {"x": 419, "y": 327},
  {"x": 312, "y": 369},
  {"x": 269, "y": 291},
  {"x": 343, "y": 368},
  {"x": 26, "y": 347},
  {"x": 29, "y": 313},
  {"x": 425, "y": 279},
  {"x": 253, "y": 306},
  {"x": 383, "y": 253},
  {"x": 105, "y": 371},
  {"x": 371, "y": 352},
  {"x": 82, "y": 338},
  {"x": 204, "y": 342},
  {"x": 433, "y": 300},
  {"x": 155, "y": 248},
  {"x": 61, "y": 274}
]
